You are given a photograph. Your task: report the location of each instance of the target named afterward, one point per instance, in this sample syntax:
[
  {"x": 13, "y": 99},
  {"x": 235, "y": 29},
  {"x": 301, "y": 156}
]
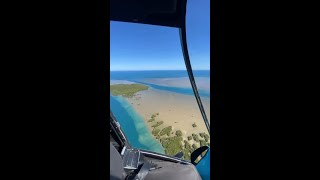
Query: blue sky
[{"x": 148, "y": 47}]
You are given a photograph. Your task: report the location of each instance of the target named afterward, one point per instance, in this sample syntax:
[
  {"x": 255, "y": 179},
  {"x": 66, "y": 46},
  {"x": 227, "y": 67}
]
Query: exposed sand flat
[
  {"x": 201, "y": 82},
  {"x": 176, "y": 110}
]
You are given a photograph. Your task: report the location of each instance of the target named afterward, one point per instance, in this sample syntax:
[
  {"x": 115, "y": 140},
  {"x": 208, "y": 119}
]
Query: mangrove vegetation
[
  {"x": 173, "y": 141},
  {"x": 126, "y": 90}
]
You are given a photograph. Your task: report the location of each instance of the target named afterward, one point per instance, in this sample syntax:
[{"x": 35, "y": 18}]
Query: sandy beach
[{"x": 176, "y": 110}]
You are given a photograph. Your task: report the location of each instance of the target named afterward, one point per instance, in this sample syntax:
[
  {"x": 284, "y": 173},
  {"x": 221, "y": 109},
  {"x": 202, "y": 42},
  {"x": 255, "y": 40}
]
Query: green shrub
[
  {"x": 194, "y": 125},
  {"x": 162, "y": 140},
  {"x": 202, "y": 143},
  {"x": 155, "y": 131},
  {"x": 165, "y": 143},
  {"x": 206, "y": 137},
  {"x": 186, "y": 155},
  {"x": 151, "y": 120},
  {"x": 191, "y": 150},
  {"x": 166, "y": 130},
  {"x": 157, "y": 124},
  {"x": 202, "y": 135},
  {"x": 172, "y": 145},
  {"x": 178, "y": 133},
  {"x": 187, "y": 146},
  {"x": 195, "y": 137},
  {"x": 194, "y": 146},
  {"x": 189, "y": 138}
]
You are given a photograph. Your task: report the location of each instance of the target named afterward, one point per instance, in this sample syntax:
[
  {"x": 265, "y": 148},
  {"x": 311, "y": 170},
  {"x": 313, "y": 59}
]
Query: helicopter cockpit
[{"x": 137, "y": 163}]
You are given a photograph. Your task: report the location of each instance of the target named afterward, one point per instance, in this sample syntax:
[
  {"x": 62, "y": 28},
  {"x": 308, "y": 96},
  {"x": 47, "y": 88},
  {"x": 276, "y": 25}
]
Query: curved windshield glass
[
  {"x": 150, "y": 93},
  {"x": 198, "y": 39}
]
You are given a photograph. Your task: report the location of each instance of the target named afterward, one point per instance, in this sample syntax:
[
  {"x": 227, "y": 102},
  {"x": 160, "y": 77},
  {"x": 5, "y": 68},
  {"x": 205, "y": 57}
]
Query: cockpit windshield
[{"x": 150, "y": 92}]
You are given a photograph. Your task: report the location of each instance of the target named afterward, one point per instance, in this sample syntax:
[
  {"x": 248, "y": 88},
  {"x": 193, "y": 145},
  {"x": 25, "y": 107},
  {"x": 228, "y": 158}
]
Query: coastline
[
  {"x": 176, "y": 110},
  {"x": 169, "y": 117},
  {"x": 140, "y": 136}
]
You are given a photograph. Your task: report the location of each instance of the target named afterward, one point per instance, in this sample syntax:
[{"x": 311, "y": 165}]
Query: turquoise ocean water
[
  {"x": 133, "y": 125},
  {"x": 131, "y": 122}
]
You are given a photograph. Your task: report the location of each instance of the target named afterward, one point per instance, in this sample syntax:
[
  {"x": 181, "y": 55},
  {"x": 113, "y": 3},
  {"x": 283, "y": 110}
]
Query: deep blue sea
[
  {"x": 131, "y": 122},
  {"x": 136, "y": 75}
]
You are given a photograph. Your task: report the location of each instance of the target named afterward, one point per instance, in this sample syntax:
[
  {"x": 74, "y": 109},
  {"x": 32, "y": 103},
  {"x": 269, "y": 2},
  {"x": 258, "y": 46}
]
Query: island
[{"x": 127, "y": 90}]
